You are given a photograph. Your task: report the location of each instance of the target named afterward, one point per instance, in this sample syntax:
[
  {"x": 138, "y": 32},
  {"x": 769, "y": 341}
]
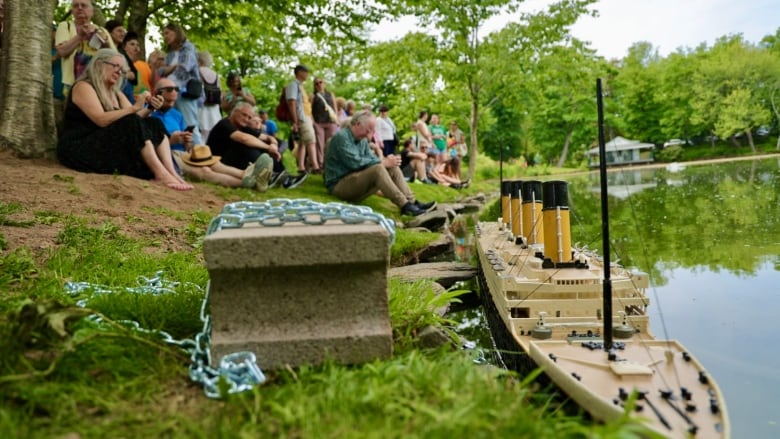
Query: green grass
[
  {"x": 61, "y": 375},
  {"x": 721, "y": 149}
]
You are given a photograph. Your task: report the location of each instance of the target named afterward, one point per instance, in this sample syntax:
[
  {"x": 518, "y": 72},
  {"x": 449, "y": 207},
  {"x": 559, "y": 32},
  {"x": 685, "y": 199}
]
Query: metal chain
[
  {"x": 239, "y": 370},
  {"x": 279, "y": 211}
]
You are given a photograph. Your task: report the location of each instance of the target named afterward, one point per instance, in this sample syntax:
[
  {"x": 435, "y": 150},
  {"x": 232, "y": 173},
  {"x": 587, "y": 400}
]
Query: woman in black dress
[{"x": 106, "y": 134}]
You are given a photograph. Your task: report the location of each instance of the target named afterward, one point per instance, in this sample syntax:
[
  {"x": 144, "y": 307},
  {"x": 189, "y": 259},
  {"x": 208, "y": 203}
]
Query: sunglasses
[{"x": 168, "y": 89}]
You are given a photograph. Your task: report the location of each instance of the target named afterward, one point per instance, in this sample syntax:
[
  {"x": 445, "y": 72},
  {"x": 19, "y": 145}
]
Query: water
[{"x": 709, "y": 236}]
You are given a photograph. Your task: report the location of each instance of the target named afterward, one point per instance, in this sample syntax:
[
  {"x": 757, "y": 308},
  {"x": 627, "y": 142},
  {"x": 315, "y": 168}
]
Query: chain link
[
  {"x": 280, "y": 211},
  {"x": 238, "y": 370}
]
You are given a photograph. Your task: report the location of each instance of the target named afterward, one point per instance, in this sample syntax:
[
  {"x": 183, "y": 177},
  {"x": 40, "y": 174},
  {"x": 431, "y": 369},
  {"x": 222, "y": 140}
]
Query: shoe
[
  {"x": 293, "y": 182},
  {"x": 277, "y": 178},
  {"x": 262, "y": 172},
  {"x": 465, "y": 183},
  {"x": 249, "y": 179},
  {"x": 425, "y": 207},
  {"x": 411, "y": 209},
  {"x": 457, "y": 185},
  {"x": 428, "y": 181}
]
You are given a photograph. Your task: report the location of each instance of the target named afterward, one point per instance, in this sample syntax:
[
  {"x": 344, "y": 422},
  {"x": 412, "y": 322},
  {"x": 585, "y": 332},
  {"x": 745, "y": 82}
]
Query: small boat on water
[{"x": 552, "y": 306}]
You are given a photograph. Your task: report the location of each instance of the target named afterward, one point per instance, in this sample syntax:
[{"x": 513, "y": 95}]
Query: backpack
[
  {"x": 283, "y": 110},
  {"x": 212, "y": 92}
]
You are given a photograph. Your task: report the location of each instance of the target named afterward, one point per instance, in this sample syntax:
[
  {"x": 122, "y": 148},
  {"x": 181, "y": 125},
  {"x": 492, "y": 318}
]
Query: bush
[{"x": 670, "y": 154}]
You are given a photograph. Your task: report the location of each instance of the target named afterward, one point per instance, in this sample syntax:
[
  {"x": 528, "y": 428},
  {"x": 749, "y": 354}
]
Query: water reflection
[{"x": 709, "y": 236}]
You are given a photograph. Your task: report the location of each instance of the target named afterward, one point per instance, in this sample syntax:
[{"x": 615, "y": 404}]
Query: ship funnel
[
  {"x": 557, "y": 225},
  {"x": 506, "y": 190},
  {"x": 514, "y": 208},
  {"x": 533, "y": 231}
]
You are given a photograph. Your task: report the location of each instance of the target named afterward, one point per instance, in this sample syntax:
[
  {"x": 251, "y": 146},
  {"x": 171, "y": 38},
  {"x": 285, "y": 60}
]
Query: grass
[
  {"x": 62, "y": 375},
  {"x": 721, "y": 149}
]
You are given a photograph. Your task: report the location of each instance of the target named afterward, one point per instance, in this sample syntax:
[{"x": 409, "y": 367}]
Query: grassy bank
[{"x": 64, "y": 376}]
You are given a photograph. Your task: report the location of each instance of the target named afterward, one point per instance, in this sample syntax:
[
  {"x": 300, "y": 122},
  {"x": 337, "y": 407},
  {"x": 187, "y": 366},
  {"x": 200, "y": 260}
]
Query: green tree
[
  {"x": 563, "y": 110},
  {"x": 634, "y": 90}
]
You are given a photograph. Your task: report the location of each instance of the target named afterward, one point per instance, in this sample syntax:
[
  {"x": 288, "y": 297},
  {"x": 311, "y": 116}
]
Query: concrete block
[{"x": 299, "y": 294}]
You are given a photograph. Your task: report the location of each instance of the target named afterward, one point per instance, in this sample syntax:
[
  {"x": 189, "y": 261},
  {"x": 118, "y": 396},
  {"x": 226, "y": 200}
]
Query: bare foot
[
  {"x": 176, "y": 185},
  {"x": 180, "y": 186}
]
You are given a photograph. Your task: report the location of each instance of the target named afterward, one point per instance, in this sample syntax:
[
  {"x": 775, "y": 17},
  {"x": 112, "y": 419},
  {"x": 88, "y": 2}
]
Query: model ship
[{"x": 584, "y": 320}]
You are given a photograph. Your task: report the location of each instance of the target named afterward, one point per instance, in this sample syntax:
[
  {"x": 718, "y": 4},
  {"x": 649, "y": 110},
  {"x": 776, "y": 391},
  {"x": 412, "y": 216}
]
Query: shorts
[{"x": 306, "y": 131}]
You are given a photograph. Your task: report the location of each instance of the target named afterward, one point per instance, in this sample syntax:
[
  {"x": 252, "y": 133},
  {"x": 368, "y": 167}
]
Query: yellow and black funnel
[
  {"x": 531, "y": 196},
  {"x": 506, "y": 190},
  {"x": 557, "y": 225}
]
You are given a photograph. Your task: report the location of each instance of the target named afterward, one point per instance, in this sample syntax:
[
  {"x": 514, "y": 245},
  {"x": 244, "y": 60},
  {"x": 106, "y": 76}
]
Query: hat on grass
[{"x": 200, "y": 156}]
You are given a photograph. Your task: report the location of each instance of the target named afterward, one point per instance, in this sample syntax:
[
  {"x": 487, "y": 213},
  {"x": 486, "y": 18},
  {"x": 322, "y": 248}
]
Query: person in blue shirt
[
  {"x": 256, "y": 175},
  {"x": 354, "y": 171}
]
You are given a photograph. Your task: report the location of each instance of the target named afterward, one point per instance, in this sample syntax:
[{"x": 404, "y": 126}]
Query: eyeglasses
[
  {"x": 168, "y": 89},
  {"x": 117, "y": 67}
]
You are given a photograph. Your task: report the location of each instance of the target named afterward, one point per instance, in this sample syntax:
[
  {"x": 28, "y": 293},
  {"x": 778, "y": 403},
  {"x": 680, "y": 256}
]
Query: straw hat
[{"x": 200, "y": 156}]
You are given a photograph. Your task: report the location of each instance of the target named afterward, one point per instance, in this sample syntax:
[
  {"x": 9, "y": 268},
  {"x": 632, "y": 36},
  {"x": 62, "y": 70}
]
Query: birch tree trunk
[{"x": 26, "y": 113}]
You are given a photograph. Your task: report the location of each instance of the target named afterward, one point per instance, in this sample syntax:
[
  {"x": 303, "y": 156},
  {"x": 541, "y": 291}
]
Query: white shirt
[{"x": 385, "y": 128}]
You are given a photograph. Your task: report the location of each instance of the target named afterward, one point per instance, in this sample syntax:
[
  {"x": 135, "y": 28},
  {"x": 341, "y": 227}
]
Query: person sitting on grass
[
  {"x": 353, "y": 171},
  {"x": 238, "y": 148},
  {"x": 413, "y": 162},
  {"x": 200, "y": 164},
  {"x": 448, "y": 174},
  {"x": 105, "y": 134}
]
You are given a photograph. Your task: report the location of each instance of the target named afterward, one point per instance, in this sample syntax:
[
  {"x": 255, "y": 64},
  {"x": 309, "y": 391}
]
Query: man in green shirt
[{"x": 353, "y": 170}]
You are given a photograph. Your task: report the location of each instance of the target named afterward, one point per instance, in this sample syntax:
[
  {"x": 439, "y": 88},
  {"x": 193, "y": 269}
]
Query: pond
[{"x": 709, "y": 236}]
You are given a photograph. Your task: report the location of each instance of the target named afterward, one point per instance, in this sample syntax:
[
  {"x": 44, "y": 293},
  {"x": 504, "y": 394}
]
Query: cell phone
[{"x": 190, "y": 128}]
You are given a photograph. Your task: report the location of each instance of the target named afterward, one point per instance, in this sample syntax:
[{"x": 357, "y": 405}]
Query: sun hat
[{"x": 200, "y": 156}]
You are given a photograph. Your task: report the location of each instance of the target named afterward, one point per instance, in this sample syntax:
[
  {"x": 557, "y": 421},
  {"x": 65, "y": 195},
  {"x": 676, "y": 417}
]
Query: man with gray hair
[
  {"x": 236, "y": 147},
  {"x": 353, "y": 171}
]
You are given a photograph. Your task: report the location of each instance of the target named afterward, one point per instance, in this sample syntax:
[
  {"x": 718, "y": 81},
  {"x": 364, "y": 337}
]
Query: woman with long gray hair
[{"x": 106, "y": 134}]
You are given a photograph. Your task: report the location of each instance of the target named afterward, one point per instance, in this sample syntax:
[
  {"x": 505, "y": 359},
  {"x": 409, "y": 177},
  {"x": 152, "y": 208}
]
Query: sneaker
[
  {"x": 278, "y": 178},
  {"x": 426, "y": 207},
  {"x": 249, "y": 179},
  {"x": 262, "y": 172},
  {"x": 293, "y": 182},
  {"x": 411, "y": 209}
]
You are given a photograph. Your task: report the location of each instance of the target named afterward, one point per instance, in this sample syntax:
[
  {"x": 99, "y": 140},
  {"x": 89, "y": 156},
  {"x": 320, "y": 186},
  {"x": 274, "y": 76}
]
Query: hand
[
  {"x": 295, "y": 126},
  {"x": 86, "y": 30},
  {"x": 156, "y": 102},
  {"x": 391, "y": 161},
  {"x": 143, "y": 98},
  {"x": 186, "y": 137},
  {"x": 130, "y": 75},
  {"x": 273, "y": 151}
]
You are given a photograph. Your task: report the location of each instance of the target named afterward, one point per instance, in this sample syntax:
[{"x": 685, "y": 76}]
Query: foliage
[{"x": 670, "y": 154}]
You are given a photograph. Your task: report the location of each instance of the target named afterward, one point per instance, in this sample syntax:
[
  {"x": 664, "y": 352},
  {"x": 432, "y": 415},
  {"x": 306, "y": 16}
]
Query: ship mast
[{"x": 607, "y": 287}]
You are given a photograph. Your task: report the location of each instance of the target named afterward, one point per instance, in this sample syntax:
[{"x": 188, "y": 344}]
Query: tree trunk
[
  {"x": 565, "y": 151},
  {"x": 138, "y": 20},
  {"x": 750, "y": 141},
  {"x": 473, "y": 123},
  {"x": 26, "y": 113}
]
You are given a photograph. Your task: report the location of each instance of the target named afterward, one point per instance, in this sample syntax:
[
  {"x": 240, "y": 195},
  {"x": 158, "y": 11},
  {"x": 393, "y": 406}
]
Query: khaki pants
[{"x": 359, "y": 185}]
